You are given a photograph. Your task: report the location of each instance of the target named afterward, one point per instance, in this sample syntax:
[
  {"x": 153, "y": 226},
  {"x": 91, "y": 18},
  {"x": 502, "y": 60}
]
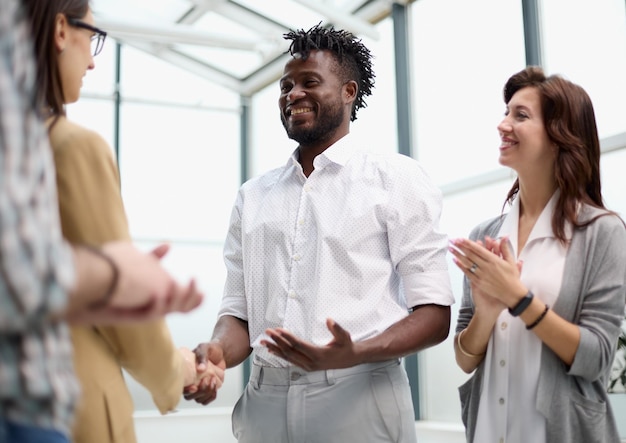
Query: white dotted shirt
[
  {"x": 507, "y": 411},
  {"x": 356, "y": 242}
]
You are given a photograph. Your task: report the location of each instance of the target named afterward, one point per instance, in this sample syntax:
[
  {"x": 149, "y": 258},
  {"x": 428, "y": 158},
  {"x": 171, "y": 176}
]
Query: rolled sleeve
[
  {"x": 234, "y": 300},
  {"x": 428, "y": 288},
  {"x": 418, "y": 250}
]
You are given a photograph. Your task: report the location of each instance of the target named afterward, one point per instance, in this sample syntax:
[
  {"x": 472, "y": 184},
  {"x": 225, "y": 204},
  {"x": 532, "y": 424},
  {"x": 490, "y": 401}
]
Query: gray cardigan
[{"x": 593, "y": 294}]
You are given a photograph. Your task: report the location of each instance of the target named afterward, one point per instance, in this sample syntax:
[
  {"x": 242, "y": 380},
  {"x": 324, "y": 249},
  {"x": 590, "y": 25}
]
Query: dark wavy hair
[
  {"x": 570, "y": 122},
  {"x": 41, "y": 15},
  {"x": 353, "y": 59}
]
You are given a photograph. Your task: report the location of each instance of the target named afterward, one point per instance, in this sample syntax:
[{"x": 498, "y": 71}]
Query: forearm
[
  {"x": 94, "y": 279},
  {"x": 232, "y": 335},
  {"x": 426, "y": 326},
  {"x": 470, "y": 344},
  {"x": 561, "y": 336}
]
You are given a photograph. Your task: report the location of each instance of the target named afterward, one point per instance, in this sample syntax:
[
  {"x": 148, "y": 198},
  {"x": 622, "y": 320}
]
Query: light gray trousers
[{"x": 369, "y": 403}]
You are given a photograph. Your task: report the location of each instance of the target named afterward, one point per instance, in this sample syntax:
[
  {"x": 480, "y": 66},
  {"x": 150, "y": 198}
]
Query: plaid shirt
[{"x": 37, "y": 383}]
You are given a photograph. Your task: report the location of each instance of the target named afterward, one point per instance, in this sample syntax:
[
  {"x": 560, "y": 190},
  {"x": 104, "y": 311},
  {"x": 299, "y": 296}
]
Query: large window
[
  {"x": 585, "y": 40},
  {"x": 463, "y": 52},
  {"x": 179, "y": 153}
]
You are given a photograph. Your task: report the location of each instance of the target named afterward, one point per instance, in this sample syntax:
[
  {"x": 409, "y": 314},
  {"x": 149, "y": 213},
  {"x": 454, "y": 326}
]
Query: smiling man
[{"x": 336, "y": 268}]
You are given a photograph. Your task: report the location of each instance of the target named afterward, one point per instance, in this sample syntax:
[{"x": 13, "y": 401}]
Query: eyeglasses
[{"x": 98, "y": 37}]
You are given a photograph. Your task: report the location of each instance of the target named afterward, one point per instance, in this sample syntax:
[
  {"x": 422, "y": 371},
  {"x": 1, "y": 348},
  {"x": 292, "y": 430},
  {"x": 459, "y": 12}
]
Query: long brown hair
[
  {"x": 42, "y": 17},
  {"x": 570, "y": 123}
]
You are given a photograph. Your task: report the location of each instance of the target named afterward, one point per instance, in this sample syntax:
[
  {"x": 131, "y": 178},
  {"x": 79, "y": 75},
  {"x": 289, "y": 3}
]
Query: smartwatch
[{"x": 521, "y": 305}]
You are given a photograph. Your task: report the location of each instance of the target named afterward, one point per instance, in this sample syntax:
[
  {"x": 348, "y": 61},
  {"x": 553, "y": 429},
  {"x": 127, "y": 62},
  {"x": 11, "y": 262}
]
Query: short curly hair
[{"x": 354, "y": 60}]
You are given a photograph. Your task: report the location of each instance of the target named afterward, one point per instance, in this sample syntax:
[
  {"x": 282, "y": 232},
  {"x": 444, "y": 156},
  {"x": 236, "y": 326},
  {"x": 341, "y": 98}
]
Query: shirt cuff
[{"x": 426, "y": 288}]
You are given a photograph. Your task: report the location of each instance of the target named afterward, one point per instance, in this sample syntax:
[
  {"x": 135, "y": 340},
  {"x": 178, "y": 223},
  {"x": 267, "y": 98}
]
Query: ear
[
  {"x": 60, "y": 32},
  {"x": 350, "y": 90}
]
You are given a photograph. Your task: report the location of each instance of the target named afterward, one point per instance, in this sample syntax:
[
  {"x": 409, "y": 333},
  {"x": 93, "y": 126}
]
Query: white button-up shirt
[
  {"x": 507, "y": 411},
  {"x": 357, "y": 241}
]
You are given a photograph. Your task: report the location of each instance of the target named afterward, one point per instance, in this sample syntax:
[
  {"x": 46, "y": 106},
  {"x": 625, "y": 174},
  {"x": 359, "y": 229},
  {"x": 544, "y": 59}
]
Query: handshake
[{"x": 204, "y": 372}]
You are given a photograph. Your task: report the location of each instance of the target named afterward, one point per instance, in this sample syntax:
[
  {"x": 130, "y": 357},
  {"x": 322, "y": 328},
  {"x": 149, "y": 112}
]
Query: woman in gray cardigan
[{"x": 545, "y": 284}]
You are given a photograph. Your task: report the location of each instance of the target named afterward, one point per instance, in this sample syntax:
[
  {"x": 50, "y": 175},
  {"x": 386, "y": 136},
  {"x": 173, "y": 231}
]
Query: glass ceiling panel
[
  {"x": 287, "y": 12},
  {"x": 141, "y": 11},
  {"x": 237, "y": 63},
  {"x": 226, "y": 41},
  {"x": 212, "y": 22}
]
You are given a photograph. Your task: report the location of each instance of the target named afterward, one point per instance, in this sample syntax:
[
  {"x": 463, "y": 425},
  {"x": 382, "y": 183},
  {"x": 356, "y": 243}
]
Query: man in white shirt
[{"x": 336, "y": 269}]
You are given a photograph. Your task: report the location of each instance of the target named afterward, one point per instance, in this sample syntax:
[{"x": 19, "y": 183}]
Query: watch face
[{"x": 523, "y": 304}]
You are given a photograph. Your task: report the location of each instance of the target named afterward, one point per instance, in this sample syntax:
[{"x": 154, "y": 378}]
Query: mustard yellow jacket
[{"x": 92, "y": 212}]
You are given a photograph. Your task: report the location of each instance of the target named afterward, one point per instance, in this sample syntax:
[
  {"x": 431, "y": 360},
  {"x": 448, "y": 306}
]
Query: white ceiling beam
[
  {"x": 237, "y": 13},
  {"x": 265, "y": 76},
  {"x": 195, "y": 14},
  {"x": 272, "y": 71},
  {"x": 190, "y": 64},
  {"x": 613, "y": 143},
  {"x": 342, "y": 19},
  {"x": 376, "y": 11},
  {"x": 267, "y": 28},
  {"x": 157, "y": 40},
  {"x": 201, "y": 7},
  {"x": 175, "y": 35}
]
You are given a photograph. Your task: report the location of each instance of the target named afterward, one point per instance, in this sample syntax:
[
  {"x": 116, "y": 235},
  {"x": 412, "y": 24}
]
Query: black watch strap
[{"x": 523, "y": 304}]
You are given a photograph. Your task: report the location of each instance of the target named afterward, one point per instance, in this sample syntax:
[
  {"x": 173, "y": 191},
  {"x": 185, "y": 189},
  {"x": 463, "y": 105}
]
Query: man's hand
[
  {"x": 207, "y": 373},
  {"x": 340, "y": 352},
  {"x": 210, "y": 364}
]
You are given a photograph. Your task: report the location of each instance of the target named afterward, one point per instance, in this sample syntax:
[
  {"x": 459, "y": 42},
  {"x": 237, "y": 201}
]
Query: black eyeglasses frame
[{"x": 99, "y": 34}]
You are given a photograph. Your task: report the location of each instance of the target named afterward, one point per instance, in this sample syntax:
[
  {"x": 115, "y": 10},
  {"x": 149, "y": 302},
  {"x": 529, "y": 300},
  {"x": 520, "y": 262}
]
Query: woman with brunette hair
[
  {"x": 92, "y": 212},
  {"x": 544, "y": 286}
]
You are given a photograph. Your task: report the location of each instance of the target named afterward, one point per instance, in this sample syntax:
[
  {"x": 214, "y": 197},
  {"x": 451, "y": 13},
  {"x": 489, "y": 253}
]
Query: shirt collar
[
  {"x": 543, "y": 225},
  {"x": 339, "y": 153}
]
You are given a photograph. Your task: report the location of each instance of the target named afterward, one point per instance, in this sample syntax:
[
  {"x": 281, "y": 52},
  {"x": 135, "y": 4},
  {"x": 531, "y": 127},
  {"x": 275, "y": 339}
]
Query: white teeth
[{"x": 300, "y": 111}]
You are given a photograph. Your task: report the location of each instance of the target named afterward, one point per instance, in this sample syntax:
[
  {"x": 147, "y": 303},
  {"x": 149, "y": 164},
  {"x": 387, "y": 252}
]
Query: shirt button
[
  {"x": 295, "y": 376},
  {"x": 297, "y": 257},
  {"x": 502, "y": 363},
  {"x": 301, "y": 221},
  {"x": 292, "y": 294},
  {"x": 501, "y": 401},
  {"x": 503, "y": 325}
]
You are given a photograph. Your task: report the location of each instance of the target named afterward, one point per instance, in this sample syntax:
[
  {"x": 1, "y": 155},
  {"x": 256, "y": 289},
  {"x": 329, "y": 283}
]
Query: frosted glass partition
[
  {"x": 463, "y": 52},
  {"x": 179, "y": 163},
  {"x": 585, "y": 40},
  {"x": 146, "y": 77},
  {"x": 613, "y": 165},
  {"x": 179, "y": 180}
]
